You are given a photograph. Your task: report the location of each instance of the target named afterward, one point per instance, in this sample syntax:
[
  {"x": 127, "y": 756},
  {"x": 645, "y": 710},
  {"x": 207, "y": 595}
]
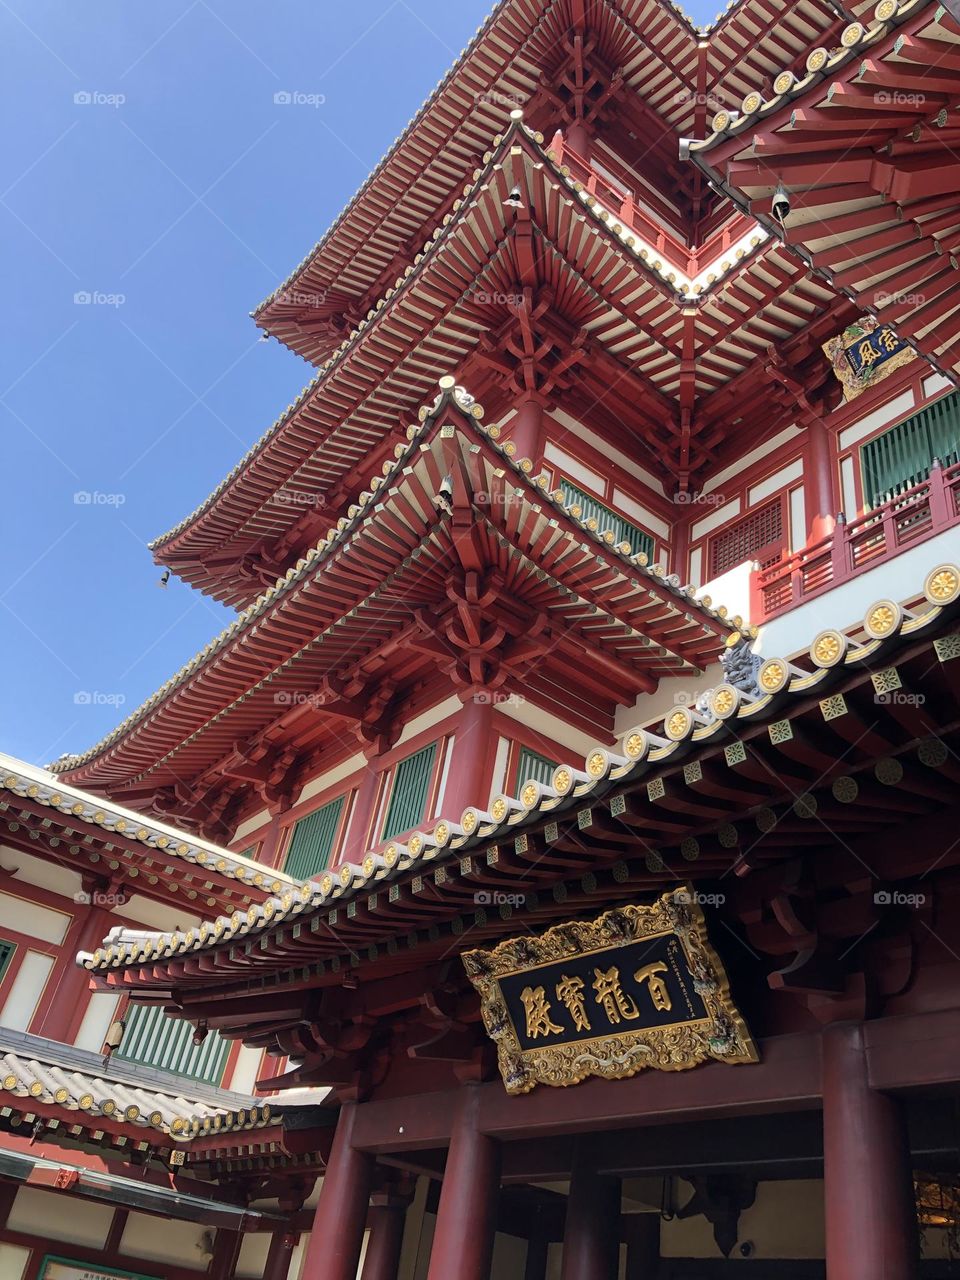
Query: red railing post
[
  {"x": 940, "y": 512},
  {"x": 841, "y": 558}
]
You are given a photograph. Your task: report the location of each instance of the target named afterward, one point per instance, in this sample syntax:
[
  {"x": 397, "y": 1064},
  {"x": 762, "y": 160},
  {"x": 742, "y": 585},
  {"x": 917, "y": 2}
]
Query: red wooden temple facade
[{"x": 590, "y": 715}]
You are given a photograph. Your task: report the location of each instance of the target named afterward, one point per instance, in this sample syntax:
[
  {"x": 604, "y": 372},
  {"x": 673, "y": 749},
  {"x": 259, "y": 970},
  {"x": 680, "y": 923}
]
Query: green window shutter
[
  {"x": 153, "y": 1039},
  {"x": 312, "y": 841},
  {"x": 619, "y": 526},
  {"x": 408, "y": 797},
  {"x": 6, "y": 954},
  {"x": 531, "y": 764},
  {"x": 901, "y": 457}
]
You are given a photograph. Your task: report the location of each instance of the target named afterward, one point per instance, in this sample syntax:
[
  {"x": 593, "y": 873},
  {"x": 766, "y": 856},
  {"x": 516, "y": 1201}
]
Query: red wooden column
[
  {"x": 871, "y": 1221},
  {"x": 468, "y": 780},
  {"x": 525, "y": 429},
  {"x": 386, "y": 1221},
  {"x": 336, "y": 1236},
  {"x": 225, "y": 1253},
  {"x": 467, "y": 1213},
  {"x": 642, "y": 1234},
  {"x": 282, "y": 1244},
  {"x": 591, "y": 1238},
  {"x": 819, "y": 484},
  {"x": 361, "y": 815}
]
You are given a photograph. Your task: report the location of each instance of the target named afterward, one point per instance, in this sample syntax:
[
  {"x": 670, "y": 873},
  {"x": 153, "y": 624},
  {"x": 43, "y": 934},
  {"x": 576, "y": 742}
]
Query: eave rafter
[
  {"x": 356, "y": 595},
  {"x": 866, "y": 149}
]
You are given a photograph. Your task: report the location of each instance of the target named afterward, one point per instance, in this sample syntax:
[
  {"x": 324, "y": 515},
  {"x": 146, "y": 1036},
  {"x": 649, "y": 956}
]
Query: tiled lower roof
[
  {"x": 779, "y": 682},
  {"x": 44, "y": 1078},
  {"x": 82, "y": 808}
]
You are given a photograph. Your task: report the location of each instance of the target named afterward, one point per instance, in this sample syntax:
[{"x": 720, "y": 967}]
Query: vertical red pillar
[
  {"x": 467, "y": 1213},
  {"x": 642, "y": 1234},
  {"x": 278, "y": 1256},
  {"x": 871, "y": 1219},
  {"x": 468, "y": 778},
  {"x": 525, "y": 429},
  {"x": 355, "y": 840},
  {"x": 591, "y": 1238},
  {"x": 385, "y": 1220},
  {"x": 225, "y": 1252},
  {"x": 336, "y": 1236},
  {"x": 819, "y": 484},
  {"x": 680, "y": 550}
]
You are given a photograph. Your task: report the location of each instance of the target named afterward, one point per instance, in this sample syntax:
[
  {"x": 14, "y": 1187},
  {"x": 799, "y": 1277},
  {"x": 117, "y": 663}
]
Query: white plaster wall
[
  {"x": 45, "y": 875},
  {"x": 13, "y": 1261},
  {"x": 246, "y": 1070},
  {"x": 567, "y": 738},
  {"x": 21, "y": 1003},
  {"x": 253, "y": 1255},
  {"x": 100, "y": 1012},
  {"x": 53, "y": 1216},
  {"x": 251, "y": 824},
  {"x": 785, "y": 1221},
  {"x": 163, "y": 1240},
  {"x": 32, "y": 919},
  {"x": 159, "y": 915}
]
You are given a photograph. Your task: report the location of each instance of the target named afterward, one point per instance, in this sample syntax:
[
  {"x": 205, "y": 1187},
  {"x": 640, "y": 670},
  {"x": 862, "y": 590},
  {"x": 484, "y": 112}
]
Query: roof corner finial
[
  {"x": 447, "y": 382},
  {"x": 517, "y": 114}
]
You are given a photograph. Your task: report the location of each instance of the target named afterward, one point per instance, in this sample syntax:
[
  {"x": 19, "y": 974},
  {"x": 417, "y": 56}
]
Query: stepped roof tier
[
  {"x": 639, "y": 68},
  {"x": 784, "y": 755},
  {"x": 111, "y": 845},
  {"x": 455, "y": 568},
  {"x": 864, "y": 142},
  {"x": 681, "y": 358}
]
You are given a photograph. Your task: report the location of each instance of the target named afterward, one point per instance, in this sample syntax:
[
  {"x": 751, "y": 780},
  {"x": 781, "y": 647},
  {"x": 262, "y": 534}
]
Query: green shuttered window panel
[
  {"x": 530, "y": 764},
  {"x": 408, "y": 796},
  {"x": 901, "y": 457},
  {"x": 153, "y": 1039},
  {"x": 620, "y": 527},
  {"x": 312, "y": 841},
  {"x": 6, "y": 954}
]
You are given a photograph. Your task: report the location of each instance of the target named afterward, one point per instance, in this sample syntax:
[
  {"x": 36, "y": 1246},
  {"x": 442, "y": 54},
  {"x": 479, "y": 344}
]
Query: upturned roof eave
[{"x": 311, "y": 569}]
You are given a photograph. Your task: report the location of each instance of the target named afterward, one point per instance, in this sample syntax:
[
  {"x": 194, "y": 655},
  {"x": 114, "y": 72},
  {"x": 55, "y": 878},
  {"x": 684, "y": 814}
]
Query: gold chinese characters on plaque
[
  {"x": 638, "y": 987},
  {"x": 865, "y": 353}
]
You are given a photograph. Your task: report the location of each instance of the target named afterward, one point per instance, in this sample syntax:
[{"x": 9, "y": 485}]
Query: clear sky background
[{"x": 148, "y": 168}]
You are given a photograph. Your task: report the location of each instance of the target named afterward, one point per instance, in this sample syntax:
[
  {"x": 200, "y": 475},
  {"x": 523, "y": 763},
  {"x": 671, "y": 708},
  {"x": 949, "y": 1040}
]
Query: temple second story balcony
[{"x": 917, "y": 514}]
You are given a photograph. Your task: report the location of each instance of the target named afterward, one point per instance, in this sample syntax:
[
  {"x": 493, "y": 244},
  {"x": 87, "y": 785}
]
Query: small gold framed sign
[
  {"x": 638, "y": 987},
  {"x": 865, "y": 353}
]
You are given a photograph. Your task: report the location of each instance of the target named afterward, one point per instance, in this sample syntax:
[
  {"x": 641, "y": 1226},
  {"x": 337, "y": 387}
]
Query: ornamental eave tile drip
[
  {"x": 855, "y": 39},
  {"x": 778, "y": 683},
  {"x": 17, "y": 778}
]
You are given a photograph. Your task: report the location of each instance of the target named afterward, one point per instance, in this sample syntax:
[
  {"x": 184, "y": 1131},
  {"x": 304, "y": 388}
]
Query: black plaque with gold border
[{"x": 639, "y": 987}]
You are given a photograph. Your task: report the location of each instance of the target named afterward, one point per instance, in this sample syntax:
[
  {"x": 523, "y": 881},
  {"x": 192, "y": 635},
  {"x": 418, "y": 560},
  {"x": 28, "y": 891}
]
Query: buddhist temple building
[{"x": 552, "y": 871}]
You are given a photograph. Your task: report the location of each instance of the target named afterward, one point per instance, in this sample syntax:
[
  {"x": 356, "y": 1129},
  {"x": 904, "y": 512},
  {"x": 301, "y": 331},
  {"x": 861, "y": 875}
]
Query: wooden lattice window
[
  {"x": 531, "y": 764},
  {"x": 151, "y": 1038},
  {"x": 758, "y": 536},
  {"x": 619, "y": 526},
  {"x": 408, "y": 795},
  {"x": 312, "y": 840}
]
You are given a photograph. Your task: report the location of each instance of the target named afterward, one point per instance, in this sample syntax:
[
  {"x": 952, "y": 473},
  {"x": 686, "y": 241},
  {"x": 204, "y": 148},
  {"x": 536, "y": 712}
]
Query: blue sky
[{"x": 149, "y": 170}]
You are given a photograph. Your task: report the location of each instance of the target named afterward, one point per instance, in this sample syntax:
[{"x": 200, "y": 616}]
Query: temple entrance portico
[{"x": 596, "y": 1180}]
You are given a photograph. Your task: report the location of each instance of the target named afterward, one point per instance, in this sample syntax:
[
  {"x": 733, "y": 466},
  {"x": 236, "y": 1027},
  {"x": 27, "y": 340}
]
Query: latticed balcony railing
[{"x": 918, "y": 513}]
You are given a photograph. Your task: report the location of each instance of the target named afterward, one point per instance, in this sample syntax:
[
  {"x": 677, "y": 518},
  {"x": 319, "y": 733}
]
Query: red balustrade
[
  {"x": 911, "y": 517},
  {"x": 625, "y": 205}
]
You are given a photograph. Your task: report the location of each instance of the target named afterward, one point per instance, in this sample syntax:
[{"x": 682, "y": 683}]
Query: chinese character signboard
[
  {"x": 865, "y": 353},
  {"x": 638, "y": 987},
  {"x": 52, "y": 1268}
]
